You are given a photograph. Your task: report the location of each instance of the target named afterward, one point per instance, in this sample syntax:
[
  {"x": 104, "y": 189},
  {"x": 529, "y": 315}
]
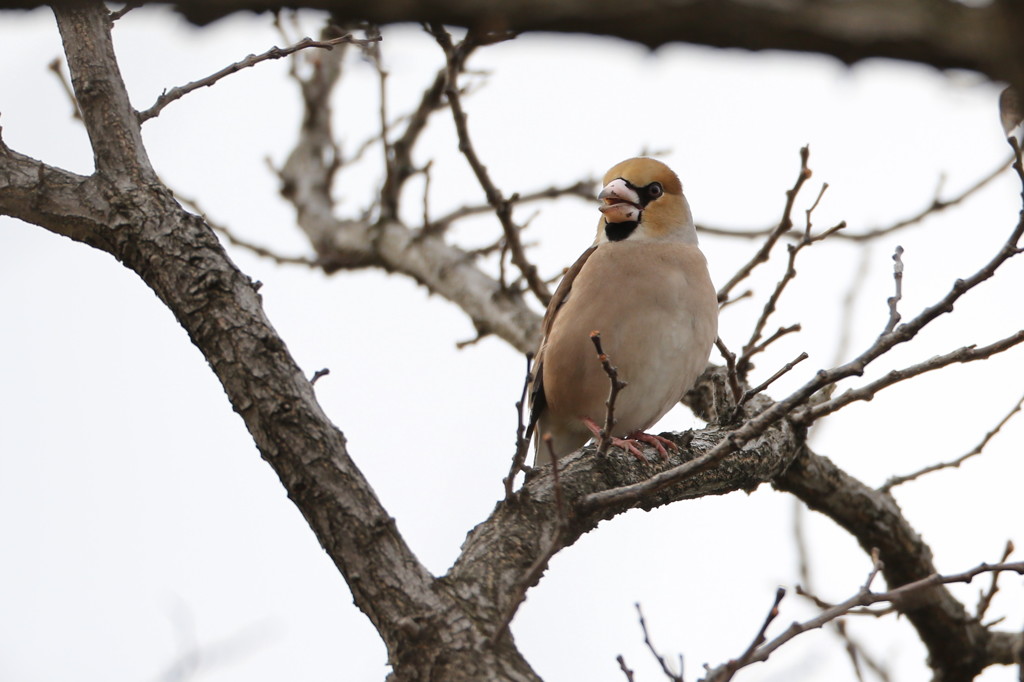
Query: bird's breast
[{"x": 655, "y": 307}]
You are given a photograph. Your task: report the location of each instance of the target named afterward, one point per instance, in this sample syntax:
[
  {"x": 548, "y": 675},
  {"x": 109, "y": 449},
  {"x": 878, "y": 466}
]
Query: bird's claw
[{"x": 658, "y": 442}]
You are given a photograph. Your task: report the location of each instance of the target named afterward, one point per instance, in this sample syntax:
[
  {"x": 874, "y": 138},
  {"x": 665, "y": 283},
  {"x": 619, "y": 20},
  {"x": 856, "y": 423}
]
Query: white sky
[{"x": 138, "y": 521}]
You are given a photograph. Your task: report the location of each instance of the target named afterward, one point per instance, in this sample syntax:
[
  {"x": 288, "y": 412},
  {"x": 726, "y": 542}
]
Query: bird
[{"x": 644, "y": 286}]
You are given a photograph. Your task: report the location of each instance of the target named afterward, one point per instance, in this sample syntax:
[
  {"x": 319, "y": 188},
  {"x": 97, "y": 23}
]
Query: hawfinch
[{"x": 644, "y": 285}]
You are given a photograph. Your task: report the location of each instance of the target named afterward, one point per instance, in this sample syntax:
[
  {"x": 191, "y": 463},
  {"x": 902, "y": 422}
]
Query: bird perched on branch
[{"x": 644, "y": 285}]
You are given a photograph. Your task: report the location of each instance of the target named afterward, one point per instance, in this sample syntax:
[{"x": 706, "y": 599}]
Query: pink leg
[{"x": 627, "y": 444}]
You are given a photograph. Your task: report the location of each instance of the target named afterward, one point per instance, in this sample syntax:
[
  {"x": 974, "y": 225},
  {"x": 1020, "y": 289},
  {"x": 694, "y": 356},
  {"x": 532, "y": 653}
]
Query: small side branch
[
  {"x": 502, "y": 206},
  {"x": 55, "y": 67},
  {"x": 604, "y": 439},
  {"x": 784, "y": 226},
  {"x": 177, "y": 93},
  {"x": 522, "y": 442},
  {"x": 730, "y": 366},
  {"x": 952, "y": 464},
  {"x": 725, "y": 672},
  {"x": 807, "y": 415},
  {"x": 985, "y": 599},
  {"x": 669, "y": 673},
  {"x": 897, "y": 275},
  {"x": 864, "y": 597},
  {"x": 754, "y": 345},
  {"x": 768, "y": 382}
]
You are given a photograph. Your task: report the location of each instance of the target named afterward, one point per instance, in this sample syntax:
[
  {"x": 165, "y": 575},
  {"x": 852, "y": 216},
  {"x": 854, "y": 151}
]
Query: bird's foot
[
  {"x": 629, "y": 444},
  {"x": 658, "y": 442}
]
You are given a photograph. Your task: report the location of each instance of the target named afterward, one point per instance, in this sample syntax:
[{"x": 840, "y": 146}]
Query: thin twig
[
  {"x": 615, "y": 385},
  {"x": 522, "y": 442},
  {"x": 985, "y": 598},
  {"x": 583, "y": 189},
  {"x": 807, "y": 415},
  {"x": 625, "y": 669},
  {"x": 502, "y": 206},
  {"x": 56, "y": 66},
  {"x": 318, "y": 374},
  {"x": 854, "y": 649},
  {"x": 784, "y": 225},
  {"x": 669, "y": 673},
  {"x": 935, "y": 206},
  {"x": 128, "y": 7},
  {"x": 730, "y": 365},
  {"x": 864, "y": 597},
  {"x": 752, "y": 347},
  {"x": 401, "y": 167},
  {"x": 748, "y": 293},
  {"x": 952, "y": 464},
  {"x": 757, "y": 389},
  {"x": 778, "y": 334},
  {"x": 177, "y": 93},
  {"x": 894, "y": 300}
]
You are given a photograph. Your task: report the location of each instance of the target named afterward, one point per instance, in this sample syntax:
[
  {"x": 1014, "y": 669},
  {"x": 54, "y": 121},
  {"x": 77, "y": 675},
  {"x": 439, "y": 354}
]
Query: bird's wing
[{"x": 538, "y": 401}]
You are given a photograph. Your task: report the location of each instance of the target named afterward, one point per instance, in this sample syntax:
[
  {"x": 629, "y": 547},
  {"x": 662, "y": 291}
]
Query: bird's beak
[{"x": 621, "y": 203}]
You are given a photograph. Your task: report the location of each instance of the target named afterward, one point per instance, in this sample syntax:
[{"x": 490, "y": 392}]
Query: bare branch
[
  {"x": 977, "y": 450},
  {"x": 56, "y": 67},
  {"x": 937, "y": 205},
  {"x": 724, "y": 673},
  {"x": 625, "y": 669},
  {"x": 128, "y": 7},
  {"x": 604, "y": 439},
  {"x": 583, "y": 189},
  {"x": 778, "y": 334},
  {"x": 867, "y": 392},
  {"x": 522, "y": 442},
  {"x": 894, "y": 300},
  {"x": 985, "y": 599},
  {"x": 785, "y": 224},
  {"x": 177, "y": 93},
  {"x": 669, "y": 673},
  {"x": 768, "y": 382},
  {"x": 730, "y": 363},
  {"x": 502, "y": 207},
  {"x": 752, "y": 347},
  {"x": 400, "y": 166},
  {"x": 863, "y": 597}
]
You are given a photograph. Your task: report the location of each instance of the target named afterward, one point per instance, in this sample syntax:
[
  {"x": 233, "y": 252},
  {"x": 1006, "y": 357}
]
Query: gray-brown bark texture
[{"x": 454, "y": 627}]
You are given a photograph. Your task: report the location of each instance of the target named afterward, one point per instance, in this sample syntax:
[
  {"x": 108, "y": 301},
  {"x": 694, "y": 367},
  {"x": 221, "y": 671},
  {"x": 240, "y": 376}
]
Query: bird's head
[{"x": 643, "y": 199}]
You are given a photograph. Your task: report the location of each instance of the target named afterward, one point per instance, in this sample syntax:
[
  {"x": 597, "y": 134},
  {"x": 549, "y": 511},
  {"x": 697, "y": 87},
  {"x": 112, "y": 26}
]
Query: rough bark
[{"x": 957, "y": 644}]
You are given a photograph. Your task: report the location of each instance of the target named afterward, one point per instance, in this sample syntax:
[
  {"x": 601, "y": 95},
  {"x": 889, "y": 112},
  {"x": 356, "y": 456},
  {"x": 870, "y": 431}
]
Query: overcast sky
[{"x": 138, "y": 524}]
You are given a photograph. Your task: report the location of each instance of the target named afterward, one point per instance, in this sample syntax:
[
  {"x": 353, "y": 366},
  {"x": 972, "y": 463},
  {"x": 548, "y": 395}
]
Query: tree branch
[
  {"x": 275, "y": 52},
  {"x": 977, "y": 450}
]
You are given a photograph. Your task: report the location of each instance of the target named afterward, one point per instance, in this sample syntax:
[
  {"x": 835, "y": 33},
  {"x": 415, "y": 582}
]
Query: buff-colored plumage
[{"x": 644, "y": 285}]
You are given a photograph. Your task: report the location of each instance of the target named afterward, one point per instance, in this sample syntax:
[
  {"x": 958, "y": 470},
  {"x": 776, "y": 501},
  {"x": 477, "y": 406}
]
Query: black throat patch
[{"x": 616, "y": 232}]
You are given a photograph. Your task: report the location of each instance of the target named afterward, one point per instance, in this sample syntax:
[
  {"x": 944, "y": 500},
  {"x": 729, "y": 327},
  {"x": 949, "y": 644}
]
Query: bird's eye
[{"x": 655, "y": 190}]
